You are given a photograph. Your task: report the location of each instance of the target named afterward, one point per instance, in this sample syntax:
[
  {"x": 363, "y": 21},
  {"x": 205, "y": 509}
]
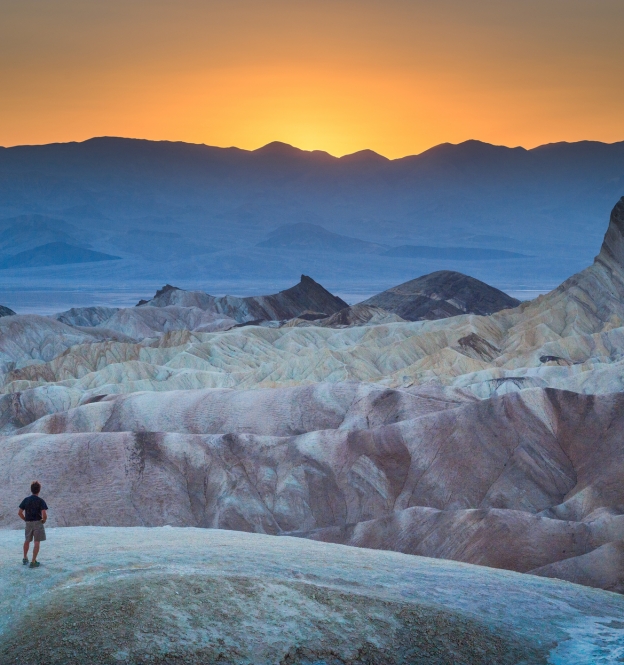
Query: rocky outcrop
[
  {"x": 5, "y": 311},
  {"x": 356, "y": 315},
  {"x": 611, "y": 255},
  {"x": 307, "y": 295},
  {"x": 440, "y": 295},
  {"x": 523, "y": 481},
  {"x": 193, "y": 596},
  {"x": 30, "y": 337},
  {"x": 89, "y": 317}
]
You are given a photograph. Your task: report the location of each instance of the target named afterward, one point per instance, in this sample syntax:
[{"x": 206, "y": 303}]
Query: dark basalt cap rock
[
  {"x": 165, "y": 289},
  {"x": 5, "y": 311},
  {"x": 440, "y": 295}
]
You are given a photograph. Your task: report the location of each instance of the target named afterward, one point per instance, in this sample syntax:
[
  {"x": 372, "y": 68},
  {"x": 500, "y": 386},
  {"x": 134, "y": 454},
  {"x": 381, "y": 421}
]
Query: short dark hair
[{"x": 35, "y": 487}]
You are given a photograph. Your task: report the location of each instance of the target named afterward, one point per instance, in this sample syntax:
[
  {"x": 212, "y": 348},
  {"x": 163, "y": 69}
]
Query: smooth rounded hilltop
[{"x": 171, "y": 596}]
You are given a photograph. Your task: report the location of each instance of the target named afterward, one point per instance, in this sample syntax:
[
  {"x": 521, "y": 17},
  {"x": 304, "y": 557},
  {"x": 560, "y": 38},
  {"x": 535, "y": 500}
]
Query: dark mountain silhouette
[
  {"x": 547, "y": 203},
  {"x": 54, "y": 254},
  {"x": 5, "y": 311},
  {"x": 450, "y": 185},
  {"x": 440, "y": 295},
  {"x": 29, "y": 231},
  {"x": 459, "y": 253},
  {"x": 314, "y": 237}
]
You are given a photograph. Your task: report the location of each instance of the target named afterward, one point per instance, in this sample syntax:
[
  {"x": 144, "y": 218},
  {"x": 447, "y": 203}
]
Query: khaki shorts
[{"x": 35, "y": 531}]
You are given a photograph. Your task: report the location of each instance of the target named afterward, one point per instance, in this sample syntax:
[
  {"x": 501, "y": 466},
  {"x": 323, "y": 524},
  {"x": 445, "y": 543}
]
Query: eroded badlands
[{"x": 496, "y": 440}]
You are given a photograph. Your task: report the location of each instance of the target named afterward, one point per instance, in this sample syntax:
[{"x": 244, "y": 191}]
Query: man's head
[{"x": 35, "y": 487}]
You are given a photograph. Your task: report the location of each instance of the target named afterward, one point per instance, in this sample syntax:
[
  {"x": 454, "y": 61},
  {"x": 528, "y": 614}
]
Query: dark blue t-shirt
[{"x": 32, "y": 505}]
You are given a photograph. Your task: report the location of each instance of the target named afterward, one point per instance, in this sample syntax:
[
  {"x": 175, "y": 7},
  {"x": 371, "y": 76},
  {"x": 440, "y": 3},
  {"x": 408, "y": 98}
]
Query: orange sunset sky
[{"x": 396, "y": 76}]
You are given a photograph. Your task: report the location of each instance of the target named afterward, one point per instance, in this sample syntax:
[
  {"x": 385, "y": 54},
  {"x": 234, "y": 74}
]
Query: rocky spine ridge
[{"x": 612, "y": 251}]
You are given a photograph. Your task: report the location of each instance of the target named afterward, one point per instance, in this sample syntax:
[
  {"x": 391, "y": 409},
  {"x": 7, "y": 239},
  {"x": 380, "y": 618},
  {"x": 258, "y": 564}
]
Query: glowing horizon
[
  {"x": 311, "y": 150},
  {"x": 341, "y": 77}
]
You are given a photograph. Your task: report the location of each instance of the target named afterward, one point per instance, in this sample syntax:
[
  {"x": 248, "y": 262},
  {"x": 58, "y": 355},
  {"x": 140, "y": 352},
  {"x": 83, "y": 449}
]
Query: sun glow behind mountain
[{"x": 397, "y": 77}]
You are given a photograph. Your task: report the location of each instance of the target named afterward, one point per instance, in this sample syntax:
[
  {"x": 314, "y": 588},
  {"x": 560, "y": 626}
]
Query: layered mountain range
[
  {"x": 485, "y": 438},
  {"x": 249, "y": 222}
]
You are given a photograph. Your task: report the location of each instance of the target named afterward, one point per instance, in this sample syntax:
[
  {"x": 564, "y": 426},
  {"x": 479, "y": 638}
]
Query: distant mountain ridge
[
  {"x": 305, "y": 236},
  {"x": 54, "y": 254},
  {"x": 547, "y": 204},
  {"x": 460, "y": 253},
  {"x": 313, "y": 237}
]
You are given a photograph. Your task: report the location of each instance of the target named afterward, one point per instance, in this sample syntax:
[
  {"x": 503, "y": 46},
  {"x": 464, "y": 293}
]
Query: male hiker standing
[{"x": 35, "y": 517}]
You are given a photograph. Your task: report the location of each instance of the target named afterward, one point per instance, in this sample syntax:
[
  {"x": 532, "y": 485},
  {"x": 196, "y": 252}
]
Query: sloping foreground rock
[
  {"x": 173, "y": 596},
  {"x": 525, "y": 481}
]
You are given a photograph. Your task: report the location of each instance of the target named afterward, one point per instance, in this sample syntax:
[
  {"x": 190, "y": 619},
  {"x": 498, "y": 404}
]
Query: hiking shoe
[
  {"x": 24, "y": 561},
  {"x": 34, "y": 564}
]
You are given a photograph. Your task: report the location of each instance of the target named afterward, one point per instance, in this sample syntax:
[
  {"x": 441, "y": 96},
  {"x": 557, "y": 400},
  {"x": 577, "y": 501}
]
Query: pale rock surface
[
  {"x": 30, "y": 338},
  {"x": 142, "y": 322},
  {"x": 167, "y": 595},
  {"x": 277, "y": 412},
  {"x": 86, "y": 316}
]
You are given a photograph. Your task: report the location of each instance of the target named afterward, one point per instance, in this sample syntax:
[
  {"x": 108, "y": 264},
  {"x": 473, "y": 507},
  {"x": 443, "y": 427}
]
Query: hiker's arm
[
  {"x": 44, "y": 516},
  {"x": 20, "y": 512}
]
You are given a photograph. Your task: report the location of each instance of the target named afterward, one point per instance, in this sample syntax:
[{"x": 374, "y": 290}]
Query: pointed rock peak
[
  {"x": 363, "y": 156},
  {"x": 277, "y": 148},
  {"x": 313, "y": 296},
  {"x": 6, "y": 311},
  {"x": 612, "y": 250},
  {"x": 167, "y": 288}
]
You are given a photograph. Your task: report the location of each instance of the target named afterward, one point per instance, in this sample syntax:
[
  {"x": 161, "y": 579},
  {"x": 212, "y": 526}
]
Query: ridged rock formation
[
  {"x": 486, "y": 439},
  {"x": 521, "y": 481},
  {"x": 356, "y": 315},
  {"x": 288, "y": 304},
  {"x": 440, "y": 295}
]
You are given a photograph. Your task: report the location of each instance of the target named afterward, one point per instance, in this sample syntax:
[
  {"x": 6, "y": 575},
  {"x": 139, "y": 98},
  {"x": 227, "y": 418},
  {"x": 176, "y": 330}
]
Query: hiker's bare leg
[
  {"x": 26, "y": 546},
  {"x": 35, "y": 551}
]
